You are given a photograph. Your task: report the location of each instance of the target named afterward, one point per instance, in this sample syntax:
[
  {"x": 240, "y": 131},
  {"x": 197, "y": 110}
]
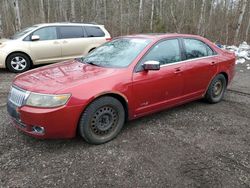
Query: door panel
[
  {"x": 198, "y": 74},
  {"x": 201, "y": 66},
  {"x": 47, "y": 48},
  {"x": 155, "y": 90}
]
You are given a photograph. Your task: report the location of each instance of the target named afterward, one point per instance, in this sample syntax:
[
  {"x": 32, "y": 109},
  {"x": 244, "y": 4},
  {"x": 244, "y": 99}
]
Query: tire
[
  {"x": 102, "y": 120},
  {"x": 18, "y": 62},
  {"x": 216, "y": 89}
]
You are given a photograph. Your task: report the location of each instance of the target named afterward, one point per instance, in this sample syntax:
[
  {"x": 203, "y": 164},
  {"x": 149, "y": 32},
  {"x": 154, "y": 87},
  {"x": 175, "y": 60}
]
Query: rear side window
[
  {"x": 165, "y": 52},
  {"x": 46, "y": 33},
  {"x": 67, "y": 32},
  {"x": 196, "y": 48},
  {"x": 93, "y": 31}
]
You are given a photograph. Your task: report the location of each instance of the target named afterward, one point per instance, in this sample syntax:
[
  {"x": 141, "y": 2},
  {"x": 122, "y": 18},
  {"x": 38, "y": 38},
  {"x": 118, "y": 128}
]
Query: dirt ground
[{"x": 193, "y": 145}]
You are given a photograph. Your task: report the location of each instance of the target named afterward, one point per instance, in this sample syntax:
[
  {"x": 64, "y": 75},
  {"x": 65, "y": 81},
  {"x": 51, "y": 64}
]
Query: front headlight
[{"x": 45, "y": 100}]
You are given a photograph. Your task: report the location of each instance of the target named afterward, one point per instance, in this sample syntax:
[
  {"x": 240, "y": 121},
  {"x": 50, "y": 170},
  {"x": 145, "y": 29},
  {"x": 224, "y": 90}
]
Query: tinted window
[
  {"x": 94, "y": 31},
  {"x": 71, "y": 32},
  {"x": 196, "y": 49},
  {"x": 117, "y": 53},
  {"x": 165, "y": 52},
  {"x": 46, "y": 33}
]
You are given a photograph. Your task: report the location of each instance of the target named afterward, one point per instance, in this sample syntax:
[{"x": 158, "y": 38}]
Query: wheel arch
[
  {"x": 91, "y": 49},
  {"x": 223, "y": 73},
  {"x": 31, "y": 61},
  {"x": 120, "y": 97},
  {"x": 117, "y": 95}
]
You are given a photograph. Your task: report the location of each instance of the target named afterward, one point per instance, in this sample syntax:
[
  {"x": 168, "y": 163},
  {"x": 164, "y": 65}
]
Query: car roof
[
  {"x": 66, "y": 23},
  {"x": 157, "y": 36}
]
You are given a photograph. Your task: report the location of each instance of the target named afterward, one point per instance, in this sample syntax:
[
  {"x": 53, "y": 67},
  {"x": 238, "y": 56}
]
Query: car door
[
  {"x": 72, "y": 40},
  {"x": 47, "y": 48},
  {"x": 201, "y": 66},
  {"x": 155, "y": 90}
]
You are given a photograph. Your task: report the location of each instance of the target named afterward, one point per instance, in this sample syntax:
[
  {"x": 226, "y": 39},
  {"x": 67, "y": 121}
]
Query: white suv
[{"x": 49, "y": 43}]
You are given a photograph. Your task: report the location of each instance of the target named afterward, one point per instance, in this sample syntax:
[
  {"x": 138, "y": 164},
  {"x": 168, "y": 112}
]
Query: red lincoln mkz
[{"x": 124, "y": 79}]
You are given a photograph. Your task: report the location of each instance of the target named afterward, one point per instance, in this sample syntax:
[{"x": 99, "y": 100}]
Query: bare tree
[
  {"x": 152, "y": 15},
  {"x": 222, "y": 20},
  {"x": 140, "y": 13},
  {"x": 42, "y": 11},
  {"x": 1, "y": 26},
  {"x": 242, "y": 12},
  {"x": 17, "y": 15},
  {"x": 72, "y": 12},
  {"x": 201, "y": 20},
  {"x": 247, "y": 30}
]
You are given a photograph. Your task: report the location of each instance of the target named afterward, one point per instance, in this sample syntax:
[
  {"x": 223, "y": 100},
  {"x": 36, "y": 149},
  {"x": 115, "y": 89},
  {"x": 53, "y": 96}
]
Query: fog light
[{"x": 37, "y": 129}]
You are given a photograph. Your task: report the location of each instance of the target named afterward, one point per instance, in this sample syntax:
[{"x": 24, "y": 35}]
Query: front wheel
[
  {"x": 216, "y": 89},
  {"x": 18, "y": 62},
  {"x": 102, "y": 120}
]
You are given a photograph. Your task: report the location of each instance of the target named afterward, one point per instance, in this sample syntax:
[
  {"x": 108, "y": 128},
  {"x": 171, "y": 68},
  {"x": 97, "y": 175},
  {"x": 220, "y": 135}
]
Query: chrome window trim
[{"x": 187, "y": 60}]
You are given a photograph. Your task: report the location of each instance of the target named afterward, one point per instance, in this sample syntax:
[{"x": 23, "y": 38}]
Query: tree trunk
[
  {"x": 173, "y": 17},
  {"x": 242, "y": 12},
  {"x": 105, "y": 12},
  {"x": 201, "y": 20},
  {"x": 152, "y": 15},
  {"x": 1, "y": 26},
  {"x": 72, "y": 11},
  {"x": 140, "y": 15},
  {"x": 247, "y": 30},
  {"x": 48, "y": 11},
  {"x": 121, "y": 18},
  {"x": 42, "y": 11},
  {"x": 128, "y": 19},
  {"x": 17, "y": 15}
]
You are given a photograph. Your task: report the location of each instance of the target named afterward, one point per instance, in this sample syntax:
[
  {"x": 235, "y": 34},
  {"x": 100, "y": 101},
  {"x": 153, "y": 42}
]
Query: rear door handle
[
  {"x": 56, "y": 42},
  {"x": 213, "y": 63},
  {"x": 177, "y": 70},
  {"x": 64, "y": 42}
]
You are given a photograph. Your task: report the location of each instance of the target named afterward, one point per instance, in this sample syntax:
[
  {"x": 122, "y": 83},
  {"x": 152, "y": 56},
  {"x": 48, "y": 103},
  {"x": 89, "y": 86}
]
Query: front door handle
[
  {"x": 213, "y": 63},
  {"x": 64, "y": 42},
  {"x": 56, "y": 42}
]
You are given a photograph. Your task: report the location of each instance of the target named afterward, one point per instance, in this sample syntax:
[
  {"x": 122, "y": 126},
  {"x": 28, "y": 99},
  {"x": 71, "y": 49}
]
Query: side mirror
[
  {"x": 35, "y": 37},
  {"x": 151, "y": 65}
]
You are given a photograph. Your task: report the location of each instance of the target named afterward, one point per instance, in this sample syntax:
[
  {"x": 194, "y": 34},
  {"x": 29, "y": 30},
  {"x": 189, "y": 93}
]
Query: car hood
[
  {"x": 3, "y": 41},
  {"x": 60, "y": 76}
]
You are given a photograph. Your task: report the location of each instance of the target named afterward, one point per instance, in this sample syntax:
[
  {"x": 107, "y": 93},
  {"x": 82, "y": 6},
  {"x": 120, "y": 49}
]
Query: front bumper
[
  {"x": 58, "y": 122},
  {"x": 3, "y": 57}
]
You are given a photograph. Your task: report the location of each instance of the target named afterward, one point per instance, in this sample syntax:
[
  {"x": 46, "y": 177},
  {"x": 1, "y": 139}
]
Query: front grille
[{"x": 17, "y": 96}]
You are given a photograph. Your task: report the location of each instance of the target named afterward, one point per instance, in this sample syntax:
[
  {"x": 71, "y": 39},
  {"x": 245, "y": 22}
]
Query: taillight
[{"x": 108, "y": 39}]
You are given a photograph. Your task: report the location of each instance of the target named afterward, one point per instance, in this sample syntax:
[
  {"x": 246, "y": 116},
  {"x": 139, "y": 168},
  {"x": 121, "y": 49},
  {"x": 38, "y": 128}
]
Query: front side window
[
  {"x": 117, "y": 53},
  {"x": 68, "y": 32},
  {"x": 196, "y": 48},
  {"x": 46, "y": 33},
  {"x": 165, "y": 52},
  {"x": 93, "y": 31}
]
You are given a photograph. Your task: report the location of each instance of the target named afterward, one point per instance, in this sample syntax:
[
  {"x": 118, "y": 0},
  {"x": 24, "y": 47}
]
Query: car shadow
[{"x": 130, "y": 126}]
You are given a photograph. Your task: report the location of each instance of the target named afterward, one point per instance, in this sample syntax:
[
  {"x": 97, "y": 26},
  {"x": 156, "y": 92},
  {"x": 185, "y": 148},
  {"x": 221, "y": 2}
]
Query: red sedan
[{"x": 124, "y": 79}]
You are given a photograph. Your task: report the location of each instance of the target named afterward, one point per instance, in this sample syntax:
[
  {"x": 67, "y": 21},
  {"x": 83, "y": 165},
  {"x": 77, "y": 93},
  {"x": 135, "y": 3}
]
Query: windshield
[
  {"x": 22, "y": 32},
  {"x": 117, "y": 53}
]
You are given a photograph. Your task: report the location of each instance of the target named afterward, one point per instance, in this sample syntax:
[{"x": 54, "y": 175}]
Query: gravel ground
[{"x": 193, "y": 145}]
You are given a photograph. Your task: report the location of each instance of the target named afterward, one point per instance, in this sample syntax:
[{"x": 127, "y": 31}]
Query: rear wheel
[
  {"x": 102, "y": 120},
  {"x": 216, "y": 89},
  {"x": 18, "y": 62}
]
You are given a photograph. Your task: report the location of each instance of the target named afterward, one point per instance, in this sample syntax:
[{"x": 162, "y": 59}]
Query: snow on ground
[{"x": 242, "y": 52}]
